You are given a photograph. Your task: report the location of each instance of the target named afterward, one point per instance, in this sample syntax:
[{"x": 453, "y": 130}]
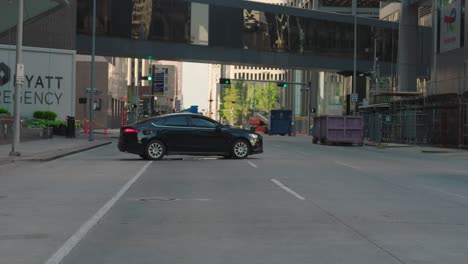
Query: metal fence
[
  {"x": 405, "y": 127},
  {"x": 435, "y": 121},
  {"x": 6, "y": 128}
]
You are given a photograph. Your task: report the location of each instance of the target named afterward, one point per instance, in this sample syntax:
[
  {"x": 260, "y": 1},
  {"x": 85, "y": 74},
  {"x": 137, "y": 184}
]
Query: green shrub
[
  {"x": 4, "y": 111},
  {"x": 56, "y": 123},
  {"x": 37, "y": 123},
  {"x": 46, "y": 115},
  {"x": 38, "y": 114}
]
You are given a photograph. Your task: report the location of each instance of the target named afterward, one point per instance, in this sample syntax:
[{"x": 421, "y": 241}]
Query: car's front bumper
[{"x": 257, "y": 146}]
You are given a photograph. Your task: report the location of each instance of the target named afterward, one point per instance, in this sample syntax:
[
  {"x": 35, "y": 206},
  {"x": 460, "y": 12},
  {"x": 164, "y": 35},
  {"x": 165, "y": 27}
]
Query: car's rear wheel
[
  {"x": 155, "y": 150},
  {"x": 240, "y": 149}
]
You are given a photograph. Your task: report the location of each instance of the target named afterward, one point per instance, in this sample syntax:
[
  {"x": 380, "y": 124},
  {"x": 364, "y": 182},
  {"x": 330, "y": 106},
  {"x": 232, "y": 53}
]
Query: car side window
[
  {"x": 176, "y": 121},
  {"x": 156, "y": 122},
  {"x": 201, "y": 122}
]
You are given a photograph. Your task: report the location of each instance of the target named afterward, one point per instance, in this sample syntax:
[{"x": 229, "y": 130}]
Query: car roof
[{"x": 180, "y": 114}]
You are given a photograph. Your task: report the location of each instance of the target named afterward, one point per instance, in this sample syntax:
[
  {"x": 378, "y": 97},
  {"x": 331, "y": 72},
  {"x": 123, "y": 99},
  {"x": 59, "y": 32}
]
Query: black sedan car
[{"x": 187, "y": 134}]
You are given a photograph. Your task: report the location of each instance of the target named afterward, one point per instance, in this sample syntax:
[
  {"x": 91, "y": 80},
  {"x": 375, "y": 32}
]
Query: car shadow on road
[{"x": 187, "y": 159}]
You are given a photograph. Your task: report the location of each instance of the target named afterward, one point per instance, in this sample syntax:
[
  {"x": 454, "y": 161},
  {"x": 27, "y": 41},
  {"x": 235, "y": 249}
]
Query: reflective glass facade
[{"x": 183, "y": 21}]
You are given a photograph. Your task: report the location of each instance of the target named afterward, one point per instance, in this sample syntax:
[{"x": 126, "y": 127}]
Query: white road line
[
  {"x": 286, "y": 188},
  {"x": 347, "y": 165},
  {"x": 65, "y": 249},
  {"x": 446, "y": 192},
  {"x": 459, "y": 171},
  {"x": 252, "y": 164}
]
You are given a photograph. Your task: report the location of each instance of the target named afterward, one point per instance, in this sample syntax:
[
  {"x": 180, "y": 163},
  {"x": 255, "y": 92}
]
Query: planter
[
  {"x": 47, "y": 132},
  {"x": 60, "y": 130}
]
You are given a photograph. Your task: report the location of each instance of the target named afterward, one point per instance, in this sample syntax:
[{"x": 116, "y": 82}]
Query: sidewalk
[
  {"x": 112, "y": 133},
  {"x": 50, "y": 149},
  {"x": 424, "y": 149}
]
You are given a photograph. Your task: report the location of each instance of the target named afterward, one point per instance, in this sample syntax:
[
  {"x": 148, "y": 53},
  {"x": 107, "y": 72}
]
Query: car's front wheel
[
  {"x": 155, "y": 150},
  {"x": 240, "y": 149}
]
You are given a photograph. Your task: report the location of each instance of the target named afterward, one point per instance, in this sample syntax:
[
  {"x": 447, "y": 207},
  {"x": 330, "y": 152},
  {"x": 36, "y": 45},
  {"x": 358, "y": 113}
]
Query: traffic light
[
  {"x": 224, "y": 81},
  {"x": 146, "y": 78},
  {"x": 282, "y": 84}
]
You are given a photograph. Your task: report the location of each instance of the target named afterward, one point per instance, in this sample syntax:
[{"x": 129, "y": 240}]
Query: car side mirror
[{"x": 218, "y": 128}]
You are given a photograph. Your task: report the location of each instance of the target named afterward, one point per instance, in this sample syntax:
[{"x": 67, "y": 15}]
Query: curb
[
  {"x": 438, "y": 151},
  {"x": 66, "y": 152},
  {"x": 386, "y": 145}
]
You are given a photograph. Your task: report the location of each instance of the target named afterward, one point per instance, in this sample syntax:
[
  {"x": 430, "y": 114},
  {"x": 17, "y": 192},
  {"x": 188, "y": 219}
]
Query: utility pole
[
  {"x": 307, "y": 90},
  {"x": 354, "y": 7},
  {"x": 18, "y": 82},
  {"x": 93, "y": 61}
]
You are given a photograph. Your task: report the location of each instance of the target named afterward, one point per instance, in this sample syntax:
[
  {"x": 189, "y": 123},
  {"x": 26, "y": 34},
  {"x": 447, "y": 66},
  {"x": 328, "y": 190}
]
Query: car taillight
[{"x": 130, "y": 130}]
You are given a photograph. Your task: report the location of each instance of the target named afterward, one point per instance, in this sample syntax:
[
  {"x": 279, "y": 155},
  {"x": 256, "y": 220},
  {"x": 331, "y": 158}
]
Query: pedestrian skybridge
[{"x": 241, "y": 32}]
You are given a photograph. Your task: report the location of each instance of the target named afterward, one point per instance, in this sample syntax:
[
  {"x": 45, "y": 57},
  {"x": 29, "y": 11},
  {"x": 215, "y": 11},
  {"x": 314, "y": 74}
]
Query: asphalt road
[{"x": 296, "y": 203}]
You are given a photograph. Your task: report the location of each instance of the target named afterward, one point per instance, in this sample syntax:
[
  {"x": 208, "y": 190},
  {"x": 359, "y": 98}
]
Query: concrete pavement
[
  {"x": 360, "y": 205},
  {"x": 50, "y": 149}
]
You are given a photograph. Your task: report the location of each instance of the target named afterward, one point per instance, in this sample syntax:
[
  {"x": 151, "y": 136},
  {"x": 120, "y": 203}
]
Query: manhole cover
[{"x": 158, "y": 199}]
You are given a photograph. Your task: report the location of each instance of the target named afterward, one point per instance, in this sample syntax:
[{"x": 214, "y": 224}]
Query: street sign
[
  {"x": 354, "y": 97},
  {"x": 96, "y": 91},
  {"x": 365, "y": 102},
  {"x": 159, "y": 82},
  {"x": 20, "y": 73}
]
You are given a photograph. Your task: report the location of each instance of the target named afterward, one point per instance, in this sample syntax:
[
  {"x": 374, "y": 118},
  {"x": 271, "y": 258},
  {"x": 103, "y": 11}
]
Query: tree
[
  {"x": 263, "y": 97},
  {"x": 230, "y": 108}
]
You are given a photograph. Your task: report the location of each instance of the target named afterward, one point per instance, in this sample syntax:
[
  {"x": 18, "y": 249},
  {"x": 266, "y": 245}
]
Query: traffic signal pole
[
  {"x": 18, "y": 82},
  {"x": 93, "y": 57}
]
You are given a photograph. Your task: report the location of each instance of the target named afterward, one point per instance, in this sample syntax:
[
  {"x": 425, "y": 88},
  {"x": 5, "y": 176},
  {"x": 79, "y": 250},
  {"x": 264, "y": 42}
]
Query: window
[
  {"x": 201, "y": 122},
  {"x": 179, "y": 121},
  {"x": 156, "y": 122},
  {"x": 151, "y": 121}
]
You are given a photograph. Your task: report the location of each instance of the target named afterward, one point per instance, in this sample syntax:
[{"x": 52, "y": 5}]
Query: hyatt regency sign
[{"x": 49, "y": 82}]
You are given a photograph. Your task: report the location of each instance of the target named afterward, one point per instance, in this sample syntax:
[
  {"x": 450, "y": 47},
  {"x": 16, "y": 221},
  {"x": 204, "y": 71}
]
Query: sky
[{"x": 195, "y": 85}]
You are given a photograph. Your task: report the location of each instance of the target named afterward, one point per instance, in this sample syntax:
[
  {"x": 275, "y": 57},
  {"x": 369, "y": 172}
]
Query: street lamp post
[
  {"x": 307, "y": 90},
  {"x": 354, "y": 7},
  {"x": 93, "y": 61},
  {"x": 18, "y": 81}
]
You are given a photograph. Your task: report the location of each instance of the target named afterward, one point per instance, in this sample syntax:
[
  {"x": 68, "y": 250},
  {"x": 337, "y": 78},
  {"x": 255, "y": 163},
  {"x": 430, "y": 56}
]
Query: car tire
[
  {"x": 143, "y": 156},
  {"x": 155, "y": 150},
  {"x": 240, "y": 149}
]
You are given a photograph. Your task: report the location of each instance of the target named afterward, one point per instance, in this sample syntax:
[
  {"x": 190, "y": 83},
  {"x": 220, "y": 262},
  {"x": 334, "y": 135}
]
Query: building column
[{"x": 407, "y": 47}]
